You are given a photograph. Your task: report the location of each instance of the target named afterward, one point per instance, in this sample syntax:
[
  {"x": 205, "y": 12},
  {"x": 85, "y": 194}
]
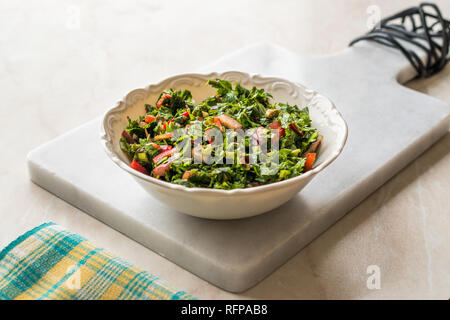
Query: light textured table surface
[{"x": 64, "y": 62}]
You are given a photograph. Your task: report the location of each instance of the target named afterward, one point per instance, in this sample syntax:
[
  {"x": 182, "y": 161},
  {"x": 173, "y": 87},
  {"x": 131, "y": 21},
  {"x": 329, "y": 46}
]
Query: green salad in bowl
[{"x": 237, "y": 138}]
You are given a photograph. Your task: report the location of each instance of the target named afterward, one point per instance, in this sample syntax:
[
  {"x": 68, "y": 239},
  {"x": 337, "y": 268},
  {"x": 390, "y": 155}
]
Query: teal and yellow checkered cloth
[{"x": 50, "y": 262}]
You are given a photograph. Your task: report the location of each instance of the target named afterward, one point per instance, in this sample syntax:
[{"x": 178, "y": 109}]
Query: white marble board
[{"x": 389, "y": 125}]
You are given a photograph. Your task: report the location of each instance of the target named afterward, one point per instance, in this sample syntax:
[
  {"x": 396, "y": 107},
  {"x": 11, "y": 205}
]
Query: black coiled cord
[{"x": 424, "y": 29}]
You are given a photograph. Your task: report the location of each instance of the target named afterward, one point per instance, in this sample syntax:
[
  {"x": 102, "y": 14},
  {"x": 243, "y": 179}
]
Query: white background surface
[{"x": 57, "y": 74}]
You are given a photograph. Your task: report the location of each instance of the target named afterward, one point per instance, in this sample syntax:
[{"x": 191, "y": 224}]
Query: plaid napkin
[{"x": 49, "y": 262}]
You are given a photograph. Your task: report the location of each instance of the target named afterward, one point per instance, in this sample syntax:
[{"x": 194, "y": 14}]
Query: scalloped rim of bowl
[{"x": 106, "y": 139}]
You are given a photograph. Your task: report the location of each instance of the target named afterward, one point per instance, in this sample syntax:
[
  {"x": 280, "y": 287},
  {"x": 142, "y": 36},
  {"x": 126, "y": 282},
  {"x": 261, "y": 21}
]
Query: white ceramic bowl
[{"x": 237, "y": 203}]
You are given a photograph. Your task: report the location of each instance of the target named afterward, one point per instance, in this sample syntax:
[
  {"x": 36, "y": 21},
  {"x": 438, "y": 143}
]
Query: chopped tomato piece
[
  {"x": 295, "y": 129},
  {"x": 164, "y": 126},
  {"x": 167, "y": 153},
  {"x": 218, "y": 124},
  {"x": 149, "y": 118},
  {"x": 161, "y": 100},
  {"x": 275, "y": 125},
  {"x": 310, "y": 159},
  {"x": 163, "y": 136},
  {"x": 208, "y": 137},
  {"x": 137, "y": 166},
  {"x": 281, "y": 131}
]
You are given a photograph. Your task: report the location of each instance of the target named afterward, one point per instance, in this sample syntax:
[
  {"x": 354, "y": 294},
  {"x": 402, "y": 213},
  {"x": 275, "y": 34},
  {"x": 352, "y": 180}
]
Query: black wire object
[{"x": 412, "y": 31}]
